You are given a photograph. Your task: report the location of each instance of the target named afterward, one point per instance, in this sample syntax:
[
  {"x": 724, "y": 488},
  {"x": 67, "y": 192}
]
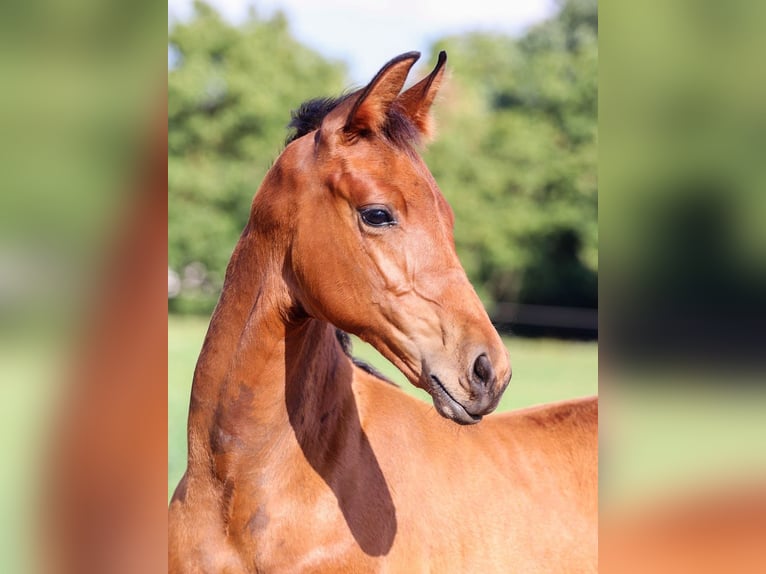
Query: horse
[{"x": 302, "y": 460}]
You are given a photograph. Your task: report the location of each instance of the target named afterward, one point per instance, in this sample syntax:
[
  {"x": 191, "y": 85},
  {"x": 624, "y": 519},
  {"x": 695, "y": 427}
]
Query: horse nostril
[{"x": 482, "y": 370}]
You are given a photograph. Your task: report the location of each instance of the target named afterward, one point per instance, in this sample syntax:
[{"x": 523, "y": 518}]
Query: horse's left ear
[
  {"x": 370, "y": 110},
  {"x": 416, "y": 101}
]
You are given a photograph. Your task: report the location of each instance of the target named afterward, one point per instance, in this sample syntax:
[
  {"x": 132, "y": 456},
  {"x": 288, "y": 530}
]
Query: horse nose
[{"x": 483, "y": 376}]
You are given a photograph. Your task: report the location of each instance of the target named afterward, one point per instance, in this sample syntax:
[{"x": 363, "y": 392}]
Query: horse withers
[{"x": 301, "y": 461}]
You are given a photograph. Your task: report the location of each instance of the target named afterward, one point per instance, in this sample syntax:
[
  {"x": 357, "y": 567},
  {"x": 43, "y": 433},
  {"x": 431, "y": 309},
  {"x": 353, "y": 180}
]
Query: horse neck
[{"x": 265, "y": 369}]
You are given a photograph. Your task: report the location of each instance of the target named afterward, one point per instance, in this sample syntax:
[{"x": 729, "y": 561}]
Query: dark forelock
[{"x": 398, "y": 129}]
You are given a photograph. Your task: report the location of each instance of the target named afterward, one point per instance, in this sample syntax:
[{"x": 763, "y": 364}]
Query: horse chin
[{"x": 447, "y": 406}]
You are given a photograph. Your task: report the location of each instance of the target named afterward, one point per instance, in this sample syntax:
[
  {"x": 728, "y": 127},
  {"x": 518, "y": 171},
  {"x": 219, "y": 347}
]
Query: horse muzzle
[{"x": 475, "y": 395}]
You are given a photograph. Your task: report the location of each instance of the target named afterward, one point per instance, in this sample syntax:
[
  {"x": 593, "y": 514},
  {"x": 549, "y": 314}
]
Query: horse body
[{"x": 300, "y": 461}]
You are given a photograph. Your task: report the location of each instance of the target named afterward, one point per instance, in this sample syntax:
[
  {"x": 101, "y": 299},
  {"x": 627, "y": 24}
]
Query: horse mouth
[{"x": 447, "y": 406}]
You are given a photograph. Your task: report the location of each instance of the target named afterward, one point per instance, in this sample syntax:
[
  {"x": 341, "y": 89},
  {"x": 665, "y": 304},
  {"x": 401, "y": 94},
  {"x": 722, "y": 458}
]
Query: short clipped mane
[
  {"x": 398, "y": 129},
  {"x": 309, "y": 115}
]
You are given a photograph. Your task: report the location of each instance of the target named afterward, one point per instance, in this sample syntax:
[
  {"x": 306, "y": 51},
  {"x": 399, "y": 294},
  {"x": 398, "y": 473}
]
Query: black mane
[
  {"x": 309, "y": 115},
  {"x": 398, "y": 129}
]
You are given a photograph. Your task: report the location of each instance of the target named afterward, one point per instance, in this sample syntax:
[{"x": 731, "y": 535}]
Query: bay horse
[{"x": 302, "y": 461}]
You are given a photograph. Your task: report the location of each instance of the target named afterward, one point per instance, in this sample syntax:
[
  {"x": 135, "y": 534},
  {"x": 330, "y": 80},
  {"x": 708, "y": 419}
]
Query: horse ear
[
  {"x": 416, "y": 101},
  {"x": 371, "y": 107}
]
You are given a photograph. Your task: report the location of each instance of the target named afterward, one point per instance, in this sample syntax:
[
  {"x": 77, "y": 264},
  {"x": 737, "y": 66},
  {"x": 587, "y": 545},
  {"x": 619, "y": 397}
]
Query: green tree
[
  {"x": 230, "y": 92},
  {"x": 518, "y": 158}
]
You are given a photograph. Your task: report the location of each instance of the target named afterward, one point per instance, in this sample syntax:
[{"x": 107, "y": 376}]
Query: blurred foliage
[
  {"x": 230, "y": 91},
  {"x": 518, "y": 159},
  {"x": 516, "y": 156},
  {"x": 81, "y": 117},
  {"x": 683, "y": 128},
  {"x": 81, "y": 85}
]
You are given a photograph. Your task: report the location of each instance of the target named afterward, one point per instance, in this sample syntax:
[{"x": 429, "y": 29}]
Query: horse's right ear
[
  {"x": 370, "y": 110},
  {"x": 417, "y": 100}
]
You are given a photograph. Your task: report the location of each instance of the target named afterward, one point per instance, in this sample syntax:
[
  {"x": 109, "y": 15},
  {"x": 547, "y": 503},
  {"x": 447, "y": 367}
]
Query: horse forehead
[{"x": 398, "y": 172}]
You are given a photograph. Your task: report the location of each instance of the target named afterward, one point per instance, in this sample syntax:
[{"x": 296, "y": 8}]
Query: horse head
[{"x": 371, "y": 247}]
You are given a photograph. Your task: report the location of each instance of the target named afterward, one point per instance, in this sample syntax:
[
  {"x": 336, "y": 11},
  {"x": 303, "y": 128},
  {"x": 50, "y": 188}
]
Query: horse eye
[{"x": 377, "y": 216}]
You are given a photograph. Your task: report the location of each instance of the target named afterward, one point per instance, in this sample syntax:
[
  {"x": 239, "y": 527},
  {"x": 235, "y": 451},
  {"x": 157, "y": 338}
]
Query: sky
[{"x": 366, "y": 34}]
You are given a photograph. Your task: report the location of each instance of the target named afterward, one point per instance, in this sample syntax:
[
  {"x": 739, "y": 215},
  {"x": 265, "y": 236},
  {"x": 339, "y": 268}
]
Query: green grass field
[{"x": 543, "y": 371}]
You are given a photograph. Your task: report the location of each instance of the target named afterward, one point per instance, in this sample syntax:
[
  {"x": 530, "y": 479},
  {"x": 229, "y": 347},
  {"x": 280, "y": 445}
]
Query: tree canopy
[
  {"x": 230, "y": 92},
  {"x": 518, "y": 159}
]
